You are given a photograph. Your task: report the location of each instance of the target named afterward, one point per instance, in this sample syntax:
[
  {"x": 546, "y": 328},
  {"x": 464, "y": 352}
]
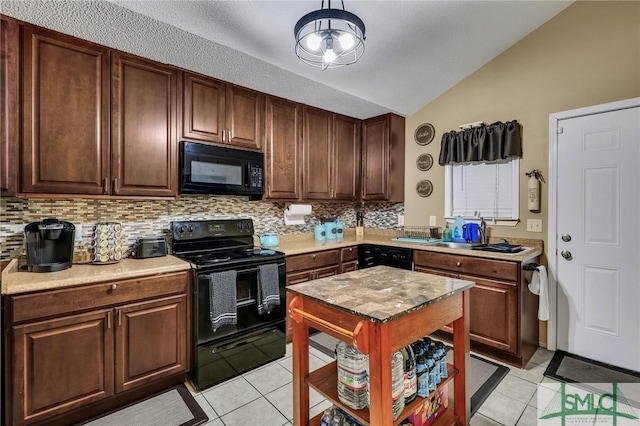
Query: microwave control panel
[{"x": 256, "y": 175}]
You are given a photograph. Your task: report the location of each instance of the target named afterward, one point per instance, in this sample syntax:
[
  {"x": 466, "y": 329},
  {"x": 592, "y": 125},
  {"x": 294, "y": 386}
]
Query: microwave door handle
[{"x": 247, "y": 183}]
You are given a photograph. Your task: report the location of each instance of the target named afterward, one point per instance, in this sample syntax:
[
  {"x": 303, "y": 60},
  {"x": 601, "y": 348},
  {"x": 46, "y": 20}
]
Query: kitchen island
[{"x": 378, "y": 310}]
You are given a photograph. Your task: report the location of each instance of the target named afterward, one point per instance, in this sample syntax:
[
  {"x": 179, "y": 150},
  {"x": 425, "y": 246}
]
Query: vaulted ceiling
[{"x": 415, "y": 50}]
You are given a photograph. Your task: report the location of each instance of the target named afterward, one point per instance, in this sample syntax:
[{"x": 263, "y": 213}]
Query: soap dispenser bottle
[{"x": 446, "y": 234}]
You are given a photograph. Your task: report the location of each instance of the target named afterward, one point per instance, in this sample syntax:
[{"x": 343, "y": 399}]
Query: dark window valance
[{"x": 485, "y": 143}]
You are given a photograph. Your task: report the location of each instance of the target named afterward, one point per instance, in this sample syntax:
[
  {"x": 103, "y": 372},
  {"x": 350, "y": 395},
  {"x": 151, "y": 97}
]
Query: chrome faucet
[{"x": 483, "y": 231}]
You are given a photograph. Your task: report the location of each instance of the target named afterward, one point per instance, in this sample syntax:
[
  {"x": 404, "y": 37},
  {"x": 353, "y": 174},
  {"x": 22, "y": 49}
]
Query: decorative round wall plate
[
  {"x": 424, "y": 188},
  {"x": 424, "y": 162},
  {"x": 424, "y": 134}
]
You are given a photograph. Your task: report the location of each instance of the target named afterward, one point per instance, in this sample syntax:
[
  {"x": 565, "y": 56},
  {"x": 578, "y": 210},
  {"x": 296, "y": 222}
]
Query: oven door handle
[
  {"x": 248, "y": 270},
  {"x": 243, "y": 342}
]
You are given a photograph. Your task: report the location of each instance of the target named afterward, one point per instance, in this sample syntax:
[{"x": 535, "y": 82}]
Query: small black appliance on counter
[
  {"x": 49, "y": 245},
  {"x": 150, "y": 247}
]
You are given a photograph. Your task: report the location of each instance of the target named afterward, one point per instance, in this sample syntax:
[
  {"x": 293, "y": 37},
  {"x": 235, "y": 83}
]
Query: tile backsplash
[{"x": 153, "y": 218}]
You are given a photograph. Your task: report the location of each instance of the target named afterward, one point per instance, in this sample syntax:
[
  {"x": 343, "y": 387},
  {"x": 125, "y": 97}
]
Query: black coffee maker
[{"x": 49, "y": 245}]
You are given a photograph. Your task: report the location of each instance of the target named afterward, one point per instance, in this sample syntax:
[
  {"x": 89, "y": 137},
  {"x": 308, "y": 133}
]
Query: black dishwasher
[{"x": 373, "y": 255}]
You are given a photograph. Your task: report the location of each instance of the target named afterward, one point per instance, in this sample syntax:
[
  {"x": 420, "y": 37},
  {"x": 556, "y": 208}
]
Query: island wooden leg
[
  {"x": 380, "y": 407},
  {"x": 300, "y": 342},
  {"x": 461, "y": 360}
]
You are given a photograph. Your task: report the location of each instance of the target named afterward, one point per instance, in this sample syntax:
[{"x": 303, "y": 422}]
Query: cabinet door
[
  {"x": 8, "y": 106},
  {"x": 143, "y": 133},
  {"x": 61, "y": 364},
  {"x": 346, "y": 170},
  {"x": 282, "y": 153},
  {"x": 203, "y": 109},
  {"x": 151, "y": 341},
  {"x": 375, "y": 159},
  {"x": 245, "y": 116},
  {"x": 493, "y": 313},
  {"x": 65, "y": 92},
  {"x": 317, "y": 154}
]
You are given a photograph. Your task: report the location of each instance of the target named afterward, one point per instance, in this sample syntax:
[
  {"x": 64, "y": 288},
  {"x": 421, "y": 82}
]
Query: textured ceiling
[{"x": 415, "y": 50}]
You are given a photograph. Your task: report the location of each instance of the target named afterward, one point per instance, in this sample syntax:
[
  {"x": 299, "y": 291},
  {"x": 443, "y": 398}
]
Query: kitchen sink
[{"x": 453, "y": 245}]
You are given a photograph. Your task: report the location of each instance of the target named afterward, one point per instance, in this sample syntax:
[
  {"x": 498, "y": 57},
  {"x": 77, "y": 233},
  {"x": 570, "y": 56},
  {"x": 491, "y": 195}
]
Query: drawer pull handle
[
  {"x": 109, "y": 319},
  {"x": 119, "y": 317},
  {"x": 458, "y": 264}
]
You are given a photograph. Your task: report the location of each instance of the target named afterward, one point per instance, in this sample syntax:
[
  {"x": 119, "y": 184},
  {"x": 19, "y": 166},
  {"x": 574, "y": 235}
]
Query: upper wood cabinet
[
  {"x": 383, "y": 158},
  {"x": 65, "y": 107},
  {"x": 8, "y": 106},
  {"x": 68, "y": 108},
  {"x": 143, "y": 127},
  {"x": 217, "y": 112},
  {"x": 283, "y": 121},
  {"x": 331, "y": 154}
]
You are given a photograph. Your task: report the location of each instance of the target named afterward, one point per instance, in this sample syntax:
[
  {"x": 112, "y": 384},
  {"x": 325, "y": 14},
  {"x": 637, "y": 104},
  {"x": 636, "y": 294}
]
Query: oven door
[
  {"x": 246, "y": 303},
  {"x": 223, "y": 359}
]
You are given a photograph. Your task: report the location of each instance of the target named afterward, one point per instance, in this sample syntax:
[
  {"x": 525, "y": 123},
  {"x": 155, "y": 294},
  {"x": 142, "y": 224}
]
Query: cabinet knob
[
  {"x": 458, "y": 264},
  {"x": 114, "y": 286},
  {"x": 350, "y": 249},
  {"x": 313, "y": 256}
]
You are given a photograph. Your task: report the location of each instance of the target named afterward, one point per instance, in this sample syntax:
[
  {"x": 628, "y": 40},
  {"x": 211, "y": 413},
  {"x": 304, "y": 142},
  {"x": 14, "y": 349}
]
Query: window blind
[{"x": 488, "y": 190}]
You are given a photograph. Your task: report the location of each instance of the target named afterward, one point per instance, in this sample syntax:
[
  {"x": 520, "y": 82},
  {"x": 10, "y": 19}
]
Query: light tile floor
[{"x": 264, "y": 396}]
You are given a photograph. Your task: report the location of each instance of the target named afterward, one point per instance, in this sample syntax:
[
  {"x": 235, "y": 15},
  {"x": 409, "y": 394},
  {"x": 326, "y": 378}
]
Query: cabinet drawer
[
  {"x": 56, "y": 302},
  {"x": 348, "y": 253},
  {"x": 464, "y": 264},
  {"x": 301, "y": 262}
]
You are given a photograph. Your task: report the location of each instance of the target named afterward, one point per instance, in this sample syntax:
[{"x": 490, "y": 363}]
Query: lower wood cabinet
[
  {"x": 503, "y": 312},
  {"x": 63, "y": 363},
  {"x": 348, "y": 259}
]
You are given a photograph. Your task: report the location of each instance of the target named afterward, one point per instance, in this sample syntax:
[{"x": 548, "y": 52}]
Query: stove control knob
[
  {"x": 190, "y": 228},
  {"x": 239, "y": 225},
  {"x": 180, "y": 229}
]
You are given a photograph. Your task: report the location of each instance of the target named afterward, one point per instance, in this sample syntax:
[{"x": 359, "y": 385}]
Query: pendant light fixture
[{"x": 329, "y": 38}]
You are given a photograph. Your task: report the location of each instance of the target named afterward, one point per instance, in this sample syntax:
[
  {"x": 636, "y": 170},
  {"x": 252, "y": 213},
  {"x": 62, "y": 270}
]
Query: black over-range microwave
[{"x": 208, "y": 169}]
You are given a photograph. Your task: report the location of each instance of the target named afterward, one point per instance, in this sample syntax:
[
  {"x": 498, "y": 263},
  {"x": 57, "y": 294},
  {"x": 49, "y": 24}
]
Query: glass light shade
[{"x": 341, "y": 36}]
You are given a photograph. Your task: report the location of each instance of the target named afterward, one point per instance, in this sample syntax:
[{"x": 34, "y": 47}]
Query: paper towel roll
[{"x": 294, "y": 214}]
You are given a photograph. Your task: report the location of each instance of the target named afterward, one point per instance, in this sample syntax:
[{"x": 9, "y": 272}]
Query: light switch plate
[
  {"x": 400, "y": 220},
  {"x": 432, "y": 220},
  {"x": 534, "y": 225}
]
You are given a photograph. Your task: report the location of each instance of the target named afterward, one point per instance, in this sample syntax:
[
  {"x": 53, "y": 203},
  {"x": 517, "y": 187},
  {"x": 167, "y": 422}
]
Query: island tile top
[{"x": 381, "y": 293}]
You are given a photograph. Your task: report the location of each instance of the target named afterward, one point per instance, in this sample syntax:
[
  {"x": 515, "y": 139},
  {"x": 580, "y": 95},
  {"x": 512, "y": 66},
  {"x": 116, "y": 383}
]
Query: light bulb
[
  {"x": 346, "y": 41},
  {"x": 329, "y": 56},
  {"x": 313, "y": 41}
]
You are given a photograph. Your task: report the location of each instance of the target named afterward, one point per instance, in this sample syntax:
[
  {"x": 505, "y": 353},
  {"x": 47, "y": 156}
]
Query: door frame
[{"x": 552, "y": 251}]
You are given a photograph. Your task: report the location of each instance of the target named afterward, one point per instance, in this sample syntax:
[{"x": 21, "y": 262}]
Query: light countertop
[
  {"x": 305, "y": 243},
  {"x": 16, "y": 281},
  {"x": 380, "y": 293}
]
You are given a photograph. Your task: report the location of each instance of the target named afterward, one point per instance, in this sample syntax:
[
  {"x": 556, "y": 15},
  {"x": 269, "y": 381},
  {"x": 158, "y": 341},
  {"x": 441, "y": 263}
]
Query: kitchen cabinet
[
  {"x": 78, "y": 348},
  {"x": 283, "y": 127},
  {"x": 74, "y": 95},
  {"x": 331, "y": 154},
  {"x": 143, "y": 127},
  {"x": 221, "y": 113},
  {"x": 311, "y": 266},
  {"x": 348, "y": 259},
  {"x": 65, "y": 114},
  {"x": 383, "y": 158},
  {"x": 8, "y": 106},
  {"x": 503, "y": 312}
]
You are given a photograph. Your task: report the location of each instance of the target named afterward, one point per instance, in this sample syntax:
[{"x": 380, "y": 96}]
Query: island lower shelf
[{"x": 324, "y": 380}]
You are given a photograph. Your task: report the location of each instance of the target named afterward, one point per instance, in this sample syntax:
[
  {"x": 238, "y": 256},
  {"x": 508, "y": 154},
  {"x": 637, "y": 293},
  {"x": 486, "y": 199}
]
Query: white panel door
[{"x": 598, "y": 269}]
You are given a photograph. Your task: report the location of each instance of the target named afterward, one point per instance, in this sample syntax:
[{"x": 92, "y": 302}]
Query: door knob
[
  {"x": 566, "y": 254},
  {"x": 566, "y": 238}
]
